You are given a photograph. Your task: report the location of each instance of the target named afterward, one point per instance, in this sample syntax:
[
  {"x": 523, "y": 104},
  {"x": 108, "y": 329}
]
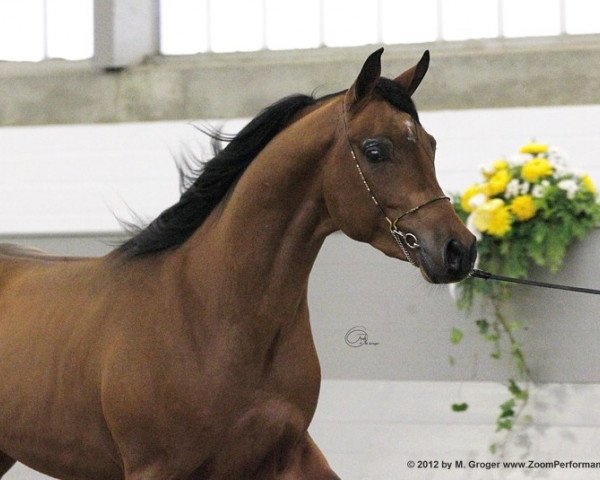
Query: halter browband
[{"x": 403, "y": 239}]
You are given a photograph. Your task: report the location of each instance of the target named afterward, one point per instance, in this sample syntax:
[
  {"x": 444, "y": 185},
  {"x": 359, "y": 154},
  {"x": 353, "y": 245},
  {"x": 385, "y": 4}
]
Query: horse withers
[{"x": 187, "y": 352}]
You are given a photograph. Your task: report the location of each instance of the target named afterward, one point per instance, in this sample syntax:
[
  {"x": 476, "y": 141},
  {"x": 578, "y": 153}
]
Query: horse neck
[{"x": 261, "y": 243}]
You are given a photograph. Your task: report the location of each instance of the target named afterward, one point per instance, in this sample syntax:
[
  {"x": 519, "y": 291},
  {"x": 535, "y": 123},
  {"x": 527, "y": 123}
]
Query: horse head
[{"x": 379, "y": 177}]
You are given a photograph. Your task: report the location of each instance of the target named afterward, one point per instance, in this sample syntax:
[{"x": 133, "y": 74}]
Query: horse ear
[
  {"x": 367, "y": 79},
  {"x": 411, "y": 79}
]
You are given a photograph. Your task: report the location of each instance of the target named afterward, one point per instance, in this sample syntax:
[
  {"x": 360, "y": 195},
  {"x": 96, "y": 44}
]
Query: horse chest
[{"x": 291, "y": 367}]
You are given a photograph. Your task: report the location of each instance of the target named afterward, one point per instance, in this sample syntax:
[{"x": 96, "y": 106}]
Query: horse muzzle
[{"x": 453, "y": 263}]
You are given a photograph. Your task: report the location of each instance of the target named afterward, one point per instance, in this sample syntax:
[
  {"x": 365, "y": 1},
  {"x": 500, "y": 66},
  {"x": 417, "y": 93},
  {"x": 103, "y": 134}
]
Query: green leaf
[
  {"x": 483, "y": 325},
  {"x": 517, "y": 391},
  {"x": 460, "y": 407},
  {"x": 515, "y": 326},
  {"x": 517, "y": 355},
  {"x": 456, "y": 336},
  {"x": 504, "y": 424},
  {"x": 508, "y": 406},
  {"x": 507, "y": 414}
]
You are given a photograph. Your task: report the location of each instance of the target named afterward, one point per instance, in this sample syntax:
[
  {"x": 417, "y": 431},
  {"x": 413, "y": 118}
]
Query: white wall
[
  {"x": 382, "y": 404},
  {"x": 71, "y": 178}
]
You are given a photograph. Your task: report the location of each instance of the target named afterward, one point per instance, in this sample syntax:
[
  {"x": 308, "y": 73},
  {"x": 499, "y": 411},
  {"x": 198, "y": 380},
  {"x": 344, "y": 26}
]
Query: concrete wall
[{"x": 474, "y": 74}]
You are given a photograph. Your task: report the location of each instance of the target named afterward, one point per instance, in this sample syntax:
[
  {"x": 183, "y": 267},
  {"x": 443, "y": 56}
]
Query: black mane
[{"x": 204, "y": 192}]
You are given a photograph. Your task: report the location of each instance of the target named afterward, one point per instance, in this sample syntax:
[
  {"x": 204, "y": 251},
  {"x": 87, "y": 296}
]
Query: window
[
  {"x": 457, "y": 19},
  {"x": 243, "y": 25},
  {"x": 32, "y": 30},
  {"x": 531, "y": 18},
  {"x": 282, "y": 18},
  {"x": 184, "y": 27},
  {"x": 581, "y": 16}
]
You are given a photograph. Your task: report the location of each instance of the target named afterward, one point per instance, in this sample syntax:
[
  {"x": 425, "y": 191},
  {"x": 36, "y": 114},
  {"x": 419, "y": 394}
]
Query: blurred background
[{"x": 97, "y": 98}]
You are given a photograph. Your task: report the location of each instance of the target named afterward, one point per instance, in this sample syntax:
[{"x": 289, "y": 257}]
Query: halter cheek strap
[{"x": 406, "y": 241}]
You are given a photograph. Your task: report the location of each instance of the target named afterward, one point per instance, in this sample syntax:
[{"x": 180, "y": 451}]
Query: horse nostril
[{"x": 455, "y": 255}]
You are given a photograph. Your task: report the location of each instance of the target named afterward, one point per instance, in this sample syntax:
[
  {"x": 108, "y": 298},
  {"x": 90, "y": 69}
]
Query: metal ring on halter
[
  {"x": 408, "y": 238},
  {"x": 401, "y": 240}
]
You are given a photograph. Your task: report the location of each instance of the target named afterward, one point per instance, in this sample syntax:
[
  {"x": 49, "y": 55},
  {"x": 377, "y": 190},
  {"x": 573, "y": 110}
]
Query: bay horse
[{"x": 187, "y": 353}]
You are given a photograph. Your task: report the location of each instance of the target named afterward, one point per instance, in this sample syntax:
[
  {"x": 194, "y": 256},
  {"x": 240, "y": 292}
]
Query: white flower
[
  {"x": 520, "y": 158},
  {"x": 557, "y": 156},
  {"x": 570, "y": 187},
  {"x": 524, "y": 189},
  {"x": 539, "y": 190},
  {"x": 477, "y": 200},
  {"x": 512, "y": 189},
  {"x": 561, "y": 171}
]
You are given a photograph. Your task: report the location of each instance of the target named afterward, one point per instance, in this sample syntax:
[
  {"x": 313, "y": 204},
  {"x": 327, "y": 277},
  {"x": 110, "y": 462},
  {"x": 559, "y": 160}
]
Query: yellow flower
[
  {"x": 534, "y": 148},
  {"x": 493, "y": 217},
  {"x": 498, "y": 182},
  {"x": 468, "y": 194},
  {"x": 588, "y": 184},
  {"x": 535, "y": 169},
  {"x": 489, "y": 170},
  {"x": 523, "y": 207},
  {"x": 500, "y": 165}
]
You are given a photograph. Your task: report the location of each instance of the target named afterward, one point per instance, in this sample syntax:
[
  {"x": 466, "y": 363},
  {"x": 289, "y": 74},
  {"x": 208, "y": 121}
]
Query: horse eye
[
  {"x": 376, "y": 150},
  {"x": 374, "y": 154}
]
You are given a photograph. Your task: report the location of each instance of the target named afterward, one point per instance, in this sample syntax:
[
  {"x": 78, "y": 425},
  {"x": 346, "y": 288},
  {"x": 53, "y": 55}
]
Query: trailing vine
[{"x": 526, "y": 211}]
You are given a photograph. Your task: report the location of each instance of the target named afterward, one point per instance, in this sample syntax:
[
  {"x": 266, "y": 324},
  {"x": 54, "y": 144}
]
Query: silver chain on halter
[{"x": 406, "y": 241}]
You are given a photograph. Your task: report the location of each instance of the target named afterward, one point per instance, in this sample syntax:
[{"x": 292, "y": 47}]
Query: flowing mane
[{"x": 178, "y": 222}]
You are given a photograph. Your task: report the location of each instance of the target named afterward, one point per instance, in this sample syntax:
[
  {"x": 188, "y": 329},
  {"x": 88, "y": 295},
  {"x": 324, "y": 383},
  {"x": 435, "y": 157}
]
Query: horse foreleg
[
  {"x": 309, "y": 463},
  {"x": 6, "y": 463}
]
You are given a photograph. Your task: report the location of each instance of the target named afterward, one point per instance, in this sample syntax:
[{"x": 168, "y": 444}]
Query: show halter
[{"x": 408, "y": 241}]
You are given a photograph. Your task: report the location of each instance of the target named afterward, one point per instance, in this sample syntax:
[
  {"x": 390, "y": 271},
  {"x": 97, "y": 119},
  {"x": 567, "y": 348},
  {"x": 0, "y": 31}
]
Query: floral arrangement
[{"x": 526, "y": 211}]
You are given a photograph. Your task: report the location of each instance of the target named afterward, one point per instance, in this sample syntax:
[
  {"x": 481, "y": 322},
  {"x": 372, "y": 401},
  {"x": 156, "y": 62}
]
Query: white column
[{"x": 125, "y": 31}]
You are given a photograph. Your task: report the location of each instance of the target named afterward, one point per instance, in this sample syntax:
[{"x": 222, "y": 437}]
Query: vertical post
[
  {"x": 440, "y": 20},
  {"x": 125, "y": 31},
  {"x": 379, "y": 22},
  {"x": 500, "y": 18},
  {"x": 45, "y": 27},
  {"x": 208, "y": 26},
  {"x": 321, "y": 23},
  {"x": 263, "y": 6},
  {"x": 563, "y": 17}
]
